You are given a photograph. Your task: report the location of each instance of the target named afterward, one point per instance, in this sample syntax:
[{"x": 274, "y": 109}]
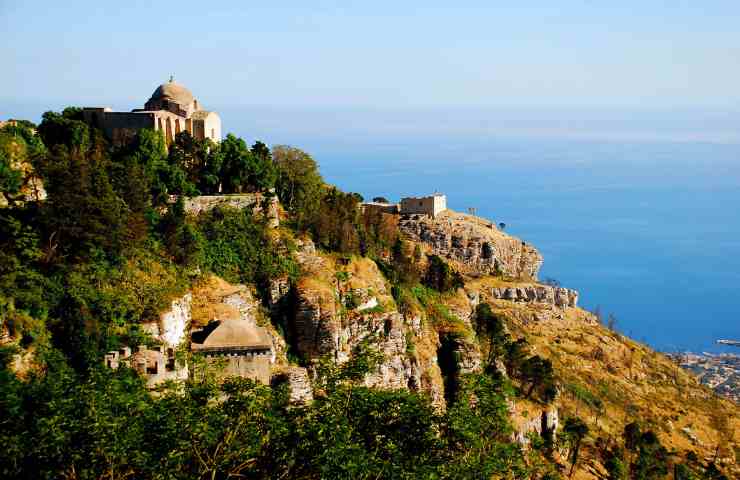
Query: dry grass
[
  {"x": 610, "y": 380},
  {"x": 207, "y": 304}
]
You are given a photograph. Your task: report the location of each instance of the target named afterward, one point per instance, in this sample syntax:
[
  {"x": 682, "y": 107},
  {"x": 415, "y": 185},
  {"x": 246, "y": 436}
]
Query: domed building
[
  {"x": 240, "y": 348},
  {"x": 171, "y": 109}
]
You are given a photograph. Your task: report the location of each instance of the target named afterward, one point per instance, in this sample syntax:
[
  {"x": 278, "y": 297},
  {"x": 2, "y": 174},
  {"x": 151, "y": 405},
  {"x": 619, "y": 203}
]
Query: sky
[{"x": 380, "y": 55}]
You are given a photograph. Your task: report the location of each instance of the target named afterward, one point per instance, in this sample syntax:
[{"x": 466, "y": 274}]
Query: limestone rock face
[
  {"x": 172, "y": 327},
  {"x": 319, "y": 330},
  {"x": 299, "y": 386},
  {"x": 557, "y": 296},
  {"x": 339, "y": 306},
  {"x": 475, "y": 244},
  {"x": 32, "y": 187},
  {"x": 277, "y": 291},
  {"x": 316, "y": 324},
  {"x": 548, "y": 420},
  {"x": 469, "y": 356}
]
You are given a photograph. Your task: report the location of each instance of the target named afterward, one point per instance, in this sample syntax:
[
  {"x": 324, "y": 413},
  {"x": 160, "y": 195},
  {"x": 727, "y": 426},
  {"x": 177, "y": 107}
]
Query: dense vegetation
[
  {"x": 112, "y": 245},
  {"x": 108, "y": 425}
]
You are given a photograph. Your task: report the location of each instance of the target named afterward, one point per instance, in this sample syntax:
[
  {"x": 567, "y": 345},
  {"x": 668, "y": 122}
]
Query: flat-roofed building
[{"x": 432, "y": 205}]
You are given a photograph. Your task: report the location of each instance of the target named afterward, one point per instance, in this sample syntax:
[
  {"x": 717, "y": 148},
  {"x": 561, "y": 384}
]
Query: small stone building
[
  {"x": 432, "y": 205},
  {"x": 156, "y": 365},
  {"x": 171, "y": 109},
  {"x": 241, "y": 348}
]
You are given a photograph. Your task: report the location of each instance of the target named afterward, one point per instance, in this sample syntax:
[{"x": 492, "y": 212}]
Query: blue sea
[{"x": 648, "y": 231}]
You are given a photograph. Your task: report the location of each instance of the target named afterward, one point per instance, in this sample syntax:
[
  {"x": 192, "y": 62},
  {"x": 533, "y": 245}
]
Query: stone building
[
  {"x": 234, "y": 348},
  {"x": 238, "y": 348},
  {"x": 431, "y": 205},
  {"x": 156, "y": 365},
  {"x": 171, "y": 109}
]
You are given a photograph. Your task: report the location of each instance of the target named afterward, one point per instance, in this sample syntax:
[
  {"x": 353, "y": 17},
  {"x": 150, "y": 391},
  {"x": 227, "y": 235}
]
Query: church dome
[
  {"x": 173, "y": 92},
  {"x": 237, "y": 334}
]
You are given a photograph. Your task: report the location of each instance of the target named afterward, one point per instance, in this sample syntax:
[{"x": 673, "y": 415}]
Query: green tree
[
  {"x": 491, "y": 325},
  {"x": 263, "y": 172},
  {"x": 11, "y": 180},
  {"x": 299, "y": 184},
  {"x": 575, "y": 430},
  {"x": 516, "y": 354},
  {"x": 83, "y": 211},
  {"x": 240, "y": 249},
  {"x": 477, "y": 432},
  {"x": 440, "y": 276},
  {"x": 537, "y": 375},
  {"x": 237, "y": 160},
  {"x": 182, "y": 239},
  {"x": 65, "y": 129}
]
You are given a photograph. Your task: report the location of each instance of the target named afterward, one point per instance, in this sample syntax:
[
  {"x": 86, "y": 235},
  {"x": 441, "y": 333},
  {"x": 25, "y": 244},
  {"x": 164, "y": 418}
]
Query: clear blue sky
[{"x": 381, "y": 54}]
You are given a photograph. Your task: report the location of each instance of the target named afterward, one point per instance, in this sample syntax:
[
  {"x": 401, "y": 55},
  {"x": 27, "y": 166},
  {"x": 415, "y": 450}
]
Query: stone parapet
[{"x": 260, "y": 204}]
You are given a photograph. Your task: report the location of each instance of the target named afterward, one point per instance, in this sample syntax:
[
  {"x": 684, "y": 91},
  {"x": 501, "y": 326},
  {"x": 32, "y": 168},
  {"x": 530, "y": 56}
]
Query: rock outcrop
[
  {"x": 475, "y": 244},
  {"x": 32, "y": 187},
  {"x": 547, "y": 421},
  {"x": 323, "y": 326},
  {"x": 297, "y": 379},
  {"x": 338, "y": 306},
  {"x": 558, "y": 296},
  {"x": 172, "y": 327}
]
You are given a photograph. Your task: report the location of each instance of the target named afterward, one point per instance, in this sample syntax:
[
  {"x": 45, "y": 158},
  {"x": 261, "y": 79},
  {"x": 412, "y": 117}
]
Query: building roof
[
  {"x": 238, "y": 334},
  {"x": 173, "y": 91}
]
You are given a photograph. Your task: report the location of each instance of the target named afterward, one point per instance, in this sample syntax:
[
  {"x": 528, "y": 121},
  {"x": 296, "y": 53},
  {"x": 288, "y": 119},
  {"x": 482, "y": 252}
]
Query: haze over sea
[{"x": 643, "y": 222}]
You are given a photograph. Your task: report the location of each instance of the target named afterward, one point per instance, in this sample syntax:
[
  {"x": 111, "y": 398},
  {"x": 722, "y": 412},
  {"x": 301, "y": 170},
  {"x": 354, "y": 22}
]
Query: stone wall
[
  {"x": 119, "y": 127},
  {"x": 254, "y": 365},
  {"x": 260, "y": 203},
  {"x": 376, "y": 207}
]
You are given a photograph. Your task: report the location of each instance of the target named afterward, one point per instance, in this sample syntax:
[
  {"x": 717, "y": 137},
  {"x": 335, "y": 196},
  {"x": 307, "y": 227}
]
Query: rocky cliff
[
  {"x": 476, "y": 245},
  {"x": 338, "y": 305}
]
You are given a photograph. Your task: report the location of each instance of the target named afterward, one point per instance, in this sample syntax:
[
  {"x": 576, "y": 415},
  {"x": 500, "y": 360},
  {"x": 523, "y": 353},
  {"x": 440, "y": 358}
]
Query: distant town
[{"x": 720, "y": 372}]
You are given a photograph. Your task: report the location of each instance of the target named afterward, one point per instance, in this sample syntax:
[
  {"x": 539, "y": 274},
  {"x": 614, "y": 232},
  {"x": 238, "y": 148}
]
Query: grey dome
[{"x": 174, "y": 92}]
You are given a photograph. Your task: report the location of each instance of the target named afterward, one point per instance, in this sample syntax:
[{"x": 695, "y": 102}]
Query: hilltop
[{"x": 186, "y": 308}]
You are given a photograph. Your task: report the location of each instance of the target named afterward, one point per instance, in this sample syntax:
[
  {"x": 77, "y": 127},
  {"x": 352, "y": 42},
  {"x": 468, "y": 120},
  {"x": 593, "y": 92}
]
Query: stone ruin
[{"x": 157, "y": 364}]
